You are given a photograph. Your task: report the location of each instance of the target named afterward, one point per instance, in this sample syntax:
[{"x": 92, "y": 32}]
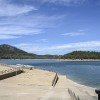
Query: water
[{"x": 86, "y": 73}]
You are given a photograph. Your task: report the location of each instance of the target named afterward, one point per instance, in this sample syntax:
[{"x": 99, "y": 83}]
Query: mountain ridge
[{"x": 11, "y": 52}]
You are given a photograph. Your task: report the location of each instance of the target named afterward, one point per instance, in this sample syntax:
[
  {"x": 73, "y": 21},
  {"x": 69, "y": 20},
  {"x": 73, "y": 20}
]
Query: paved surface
[
  {"x": 36, "y": 85},
  {"x": 33, "y": 85},
  {"x": 59, "y": 92},
  {"x": 56, "y": 94},
  {"x": 4, "y": 67}
]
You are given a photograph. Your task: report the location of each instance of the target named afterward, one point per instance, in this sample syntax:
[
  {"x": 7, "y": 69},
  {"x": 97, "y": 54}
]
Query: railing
[
  {"x": 73, "y": 96},
  {"x": 55, "y": 80}
]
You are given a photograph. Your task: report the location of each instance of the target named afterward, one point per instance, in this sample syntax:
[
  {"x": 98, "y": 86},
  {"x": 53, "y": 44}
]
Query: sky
[{"x": 50, "y": 26}]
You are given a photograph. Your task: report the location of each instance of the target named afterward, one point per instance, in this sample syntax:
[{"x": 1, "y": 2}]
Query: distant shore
[
  {"x": 78, "y": 59},
  {"x": 58, "y": 59}
]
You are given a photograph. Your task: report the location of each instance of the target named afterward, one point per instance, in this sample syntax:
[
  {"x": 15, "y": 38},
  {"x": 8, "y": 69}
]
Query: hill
[
  {"x": 82, "y": 55},
  {"x": 10, "y": 52}
]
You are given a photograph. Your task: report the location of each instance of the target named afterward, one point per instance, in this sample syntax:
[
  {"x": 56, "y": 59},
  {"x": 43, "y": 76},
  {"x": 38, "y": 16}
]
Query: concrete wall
[{"x": 10, "y": 74}]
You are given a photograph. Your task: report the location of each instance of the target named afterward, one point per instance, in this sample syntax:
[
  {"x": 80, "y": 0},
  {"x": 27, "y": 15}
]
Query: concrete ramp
[
  {"x": 56, "y": 94},
  {"x": 77, "y": 94},
  {"x": 59, "y": 92}
]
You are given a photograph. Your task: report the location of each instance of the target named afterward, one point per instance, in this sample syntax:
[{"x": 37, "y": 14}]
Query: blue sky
[{"x": 50, "y": 26}]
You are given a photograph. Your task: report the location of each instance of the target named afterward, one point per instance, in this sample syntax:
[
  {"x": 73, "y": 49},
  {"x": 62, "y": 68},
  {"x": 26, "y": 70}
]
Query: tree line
[
  {"x": 82, "y": 55},
  {"x": 10, "y": 52}
]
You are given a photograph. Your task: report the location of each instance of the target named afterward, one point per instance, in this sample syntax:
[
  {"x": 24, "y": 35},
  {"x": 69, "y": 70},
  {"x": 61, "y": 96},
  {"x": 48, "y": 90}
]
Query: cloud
[
  {"x": 8, "y": 37},
  {"x": 78, "y": 45},
  {"x": 65, "y": 2},
  {"x": 13, "y": 32},
  {"x": 12, "y": 26},
  {"x": 18, "y": 30},
  {"x": 32, "y": 48},
  {"x": 9, "y": 9},
  {"x": 60, "y": 49},
  {"x": 42, "y": 40},
  {"x": 27, "y": 25},
  {"x": 73, "y": 34}
]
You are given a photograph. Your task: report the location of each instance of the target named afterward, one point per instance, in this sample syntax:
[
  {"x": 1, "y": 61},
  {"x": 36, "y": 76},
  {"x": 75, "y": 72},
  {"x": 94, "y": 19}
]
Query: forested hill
[
  {"x": 10, "y": 52},
  {"x": 82, "y": 55}
]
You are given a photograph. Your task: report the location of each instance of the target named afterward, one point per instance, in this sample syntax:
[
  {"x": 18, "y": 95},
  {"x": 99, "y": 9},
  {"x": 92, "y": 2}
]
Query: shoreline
[
  {"x": 58, "y": 59},
  {"x": 78, "y": 60},
  {"x": 31, "y": 82},
  {"x": 7, "y": 66}
]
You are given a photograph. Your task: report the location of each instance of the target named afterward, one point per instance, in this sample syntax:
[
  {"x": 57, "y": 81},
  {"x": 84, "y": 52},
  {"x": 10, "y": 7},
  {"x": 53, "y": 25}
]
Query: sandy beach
[{"x": 36, "y": 85}]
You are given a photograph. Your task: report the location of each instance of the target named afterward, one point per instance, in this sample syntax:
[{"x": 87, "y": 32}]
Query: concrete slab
[{"x": 36, "y": 85}]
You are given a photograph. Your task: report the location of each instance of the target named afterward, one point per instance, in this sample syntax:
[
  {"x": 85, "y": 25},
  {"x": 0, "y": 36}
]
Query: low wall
[
  {"x": 10, "y": 73},
  {"x": 79, "y": 95},
  {"x": 73, "y": 96}
]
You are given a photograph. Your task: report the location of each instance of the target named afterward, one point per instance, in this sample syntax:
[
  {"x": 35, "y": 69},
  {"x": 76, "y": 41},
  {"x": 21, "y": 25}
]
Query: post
[
  {"x": 98, "y": 92},
  {"x": 55, "y": 80}
]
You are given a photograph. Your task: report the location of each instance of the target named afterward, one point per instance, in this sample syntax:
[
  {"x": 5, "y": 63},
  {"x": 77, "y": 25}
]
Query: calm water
[{"x": 87, "y": 73}]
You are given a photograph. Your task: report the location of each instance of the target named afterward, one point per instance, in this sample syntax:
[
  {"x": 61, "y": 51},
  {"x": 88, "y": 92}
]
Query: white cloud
[
  {"x": 73, "y": 34},
  {"x": 20, "y": 26},
  {"x": 27, "y": 25},
  {"x": 42, "y": 40},
  {"x": 78, "y": 45},
  {"x": 58, "y": 49},
  {"x": 32, "y": 48},
  {"x": 8, "y": 9},
  {"x": 13, "y": 32},
  {"x": 18, "y": 30},
  {"x": 65, "y": 2},
  {"x": 8, "y": 37}
]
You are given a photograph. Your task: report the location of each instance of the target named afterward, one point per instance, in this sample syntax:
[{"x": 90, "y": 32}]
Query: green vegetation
[
  {"x": 10, "y": 52},
  {"x": 82, "y": 55}
]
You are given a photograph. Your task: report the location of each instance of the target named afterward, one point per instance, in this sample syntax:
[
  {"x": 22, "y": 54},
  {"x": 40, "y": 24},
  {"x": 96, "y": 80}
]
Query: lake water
[{"x": 86, "y": 73}]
